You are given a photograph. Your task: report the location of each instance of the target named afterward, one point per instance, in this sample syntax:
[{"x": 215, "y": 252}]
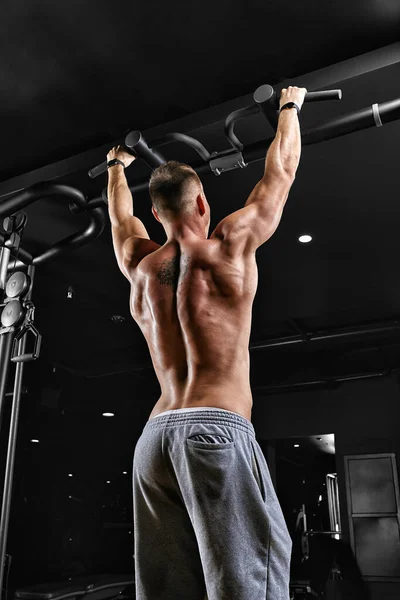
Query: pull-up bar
[
  {"x": 266, "y": 101},
  {"x": 376, "y": 115}
]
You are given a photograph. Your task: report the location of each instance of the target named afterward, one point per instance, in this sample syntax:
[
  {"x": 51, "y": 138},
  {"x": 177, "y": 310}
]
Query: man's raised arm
[
  {"x": 130, "y": 237},
  {"x": 254, "y": 224}
]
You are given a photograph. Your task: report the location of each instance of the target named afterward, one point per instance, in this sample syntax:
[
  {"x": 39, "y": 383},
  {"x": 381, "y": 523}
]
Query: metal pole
[
  {"x": 6, "y": 339},
  {"x": 12, "y": 443}
]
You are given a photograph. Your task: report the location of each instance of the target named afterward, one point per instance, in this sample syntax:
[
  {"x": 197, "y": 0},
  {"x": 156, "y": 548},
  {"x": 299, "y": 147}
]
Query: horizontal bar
[
  {"x": 340, "y": 126},
  {"x": 352, "y": 122}
]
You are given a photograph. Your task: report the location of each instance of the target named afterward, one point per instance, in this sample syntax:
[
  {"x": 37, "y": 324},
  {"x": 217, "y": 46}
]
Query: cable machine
[{"x": 17, "y": 310}]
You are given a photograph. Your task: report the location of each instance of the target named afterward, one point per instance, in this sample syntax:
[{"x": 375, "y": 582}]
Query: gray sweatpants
[{"x": 206, "y": 517}]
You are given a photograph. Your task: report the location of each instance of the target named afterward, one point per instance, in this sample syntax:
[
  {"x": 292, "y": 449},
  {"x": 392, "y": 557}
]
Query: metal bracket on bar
[
  {"x": 377, "y": 116},
  {"x": 220, "y": 164}
]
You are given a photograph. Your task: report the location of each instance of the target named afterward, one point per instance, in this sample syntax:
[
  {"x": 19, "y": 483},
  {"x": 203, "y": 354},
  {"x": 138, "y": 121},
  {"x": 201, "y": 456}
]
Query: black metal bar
[
  {"x": 5, "y": 349},
  {"x": 10, "y": 463},
  {"x": 137, "y": 146},
  {"x": 5, "y": 355},
  {"x": 40, "y": 191},
  {"x": 232, "y": 119},
  {"x": 7, "y": 338},
  {"x": 99, "y": 170},
  {"x": 184, "y": 139},
  {"x": 343, "y": 125},
  {"x": 6, "y": 345},
  {"x": 268, "y": 101},
  {"x": 339, "y": 126},
  {"x": 355, "y": 121}
]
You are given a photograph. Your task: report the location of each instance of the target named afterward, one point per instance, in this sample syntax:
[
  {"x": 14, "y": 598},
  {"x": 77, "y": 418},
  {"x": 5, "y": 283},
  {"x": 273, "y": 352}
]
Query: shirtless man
[{"x": 207, "y": 521}]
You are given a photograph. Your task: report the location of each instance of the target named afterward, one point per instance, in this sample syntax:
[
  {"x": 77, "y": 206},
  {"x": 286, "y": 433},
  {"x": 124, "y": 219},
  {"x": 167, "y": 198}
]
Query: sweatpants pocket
[
  {"x": 257, "y": 472},
  {"x": 209, "y": 441}
]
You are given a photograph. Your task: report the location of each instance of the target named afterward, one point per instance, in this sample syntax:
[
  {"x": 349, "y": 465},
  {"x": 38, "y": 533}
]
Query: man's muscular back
[
  {"x": 192, "y": 300},
  {"x": 192, "y": 297}
]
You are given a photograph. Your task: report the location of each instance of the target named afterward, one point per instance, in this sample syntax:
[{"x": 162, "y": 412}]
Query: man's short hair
[{"x": 170, "y": 188}]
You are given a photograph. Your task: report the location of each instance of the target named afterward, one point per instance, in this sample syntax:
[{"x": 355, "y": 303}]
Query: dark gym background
[{"x": 75, "y": 78}]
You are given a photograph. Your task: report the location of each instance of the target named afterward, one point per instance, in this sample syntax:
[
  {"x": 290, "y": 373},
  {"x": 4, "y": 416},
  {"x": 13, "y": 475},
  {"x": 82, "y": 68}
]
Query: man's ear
[
  {"x": 201, "y": 204},
  {"x": 153, "y": 210}
]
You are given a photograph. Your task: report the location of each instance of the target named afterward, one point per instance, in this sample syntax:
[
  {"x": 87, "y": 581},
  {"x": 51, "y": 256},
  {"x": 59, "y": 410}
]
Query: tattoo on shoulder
[{"x": 172, "y": 270}]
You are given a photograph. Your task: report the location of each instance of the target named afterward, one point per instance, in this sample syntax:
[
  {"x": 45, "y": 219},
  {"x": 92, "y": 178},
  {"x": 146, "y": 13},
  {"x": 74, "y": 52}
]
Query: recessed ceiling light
[
  {"x": 305, "y": 239},
  {"x": 70, "y": 475},
  {"x": 125, "y": 473},
  {"x": 108, "y": 414},
  {"x": 35, "y": 441},
  {"x": 296, "y": 446},
  {"x": 108, "y": 482}
]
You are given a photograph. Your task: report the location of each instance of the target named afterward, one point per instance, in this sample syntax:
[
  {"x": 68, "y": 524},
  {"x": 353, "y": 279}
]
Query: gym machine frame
[{"x": 17, "y": 310}]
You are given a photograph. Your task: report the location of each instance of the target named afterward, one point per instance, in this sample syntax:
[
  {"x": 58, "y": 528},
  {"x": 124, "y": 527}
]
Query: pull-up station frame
[{"x": 266, "y": 102}]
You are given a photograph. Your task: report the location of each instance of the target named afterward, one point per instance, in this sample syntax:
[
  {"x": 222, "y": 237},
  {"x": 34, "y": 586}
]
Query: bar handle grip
[
  {"x": 268, "y": 101},
  {"x": 136, "y": 145},
  {"x": 265, "y": 95},
  {"x": 99, "y": 170},
  {"x": 323, "y": 96}
]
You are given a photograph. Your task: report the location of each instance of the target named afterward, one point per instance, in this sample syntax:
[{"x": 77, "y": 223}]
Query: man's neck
[{"x": 185, "y": 232}]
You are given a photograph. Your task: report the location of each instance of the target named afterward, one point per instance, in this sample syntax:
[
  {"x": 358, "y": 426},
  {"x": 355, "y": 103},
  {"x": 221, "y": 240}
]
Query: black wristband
[
  {"x": 113, "y": 162},
  {"x": 290, "y": 105}
]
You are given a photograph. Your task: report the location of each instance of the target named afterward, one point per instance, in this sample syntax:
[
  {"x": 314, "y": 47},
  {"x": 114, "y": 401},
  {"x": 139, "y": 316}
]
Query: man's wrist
[
  {"x": 290, "y": 106},
  {"x": 115, "y": 162}
]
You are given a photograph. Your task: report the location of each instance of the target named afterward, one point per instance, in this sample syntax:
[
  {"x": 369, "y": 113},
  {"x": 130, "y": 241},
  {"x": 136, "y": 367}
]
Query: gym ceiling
[{"x": 77, "y": 76}]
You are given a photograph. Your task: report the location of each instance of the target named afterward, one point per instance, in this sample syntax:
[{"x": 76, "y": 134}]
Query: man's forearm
[
  {"x": 283, "y": 155},
  {"x": 120, "y": 203}
]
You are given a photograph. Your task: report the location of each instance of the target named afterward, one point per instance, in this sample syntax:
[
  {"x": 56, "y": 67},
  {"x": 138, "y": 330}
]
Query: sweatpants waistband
[{"x": 192, "y": 416}]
